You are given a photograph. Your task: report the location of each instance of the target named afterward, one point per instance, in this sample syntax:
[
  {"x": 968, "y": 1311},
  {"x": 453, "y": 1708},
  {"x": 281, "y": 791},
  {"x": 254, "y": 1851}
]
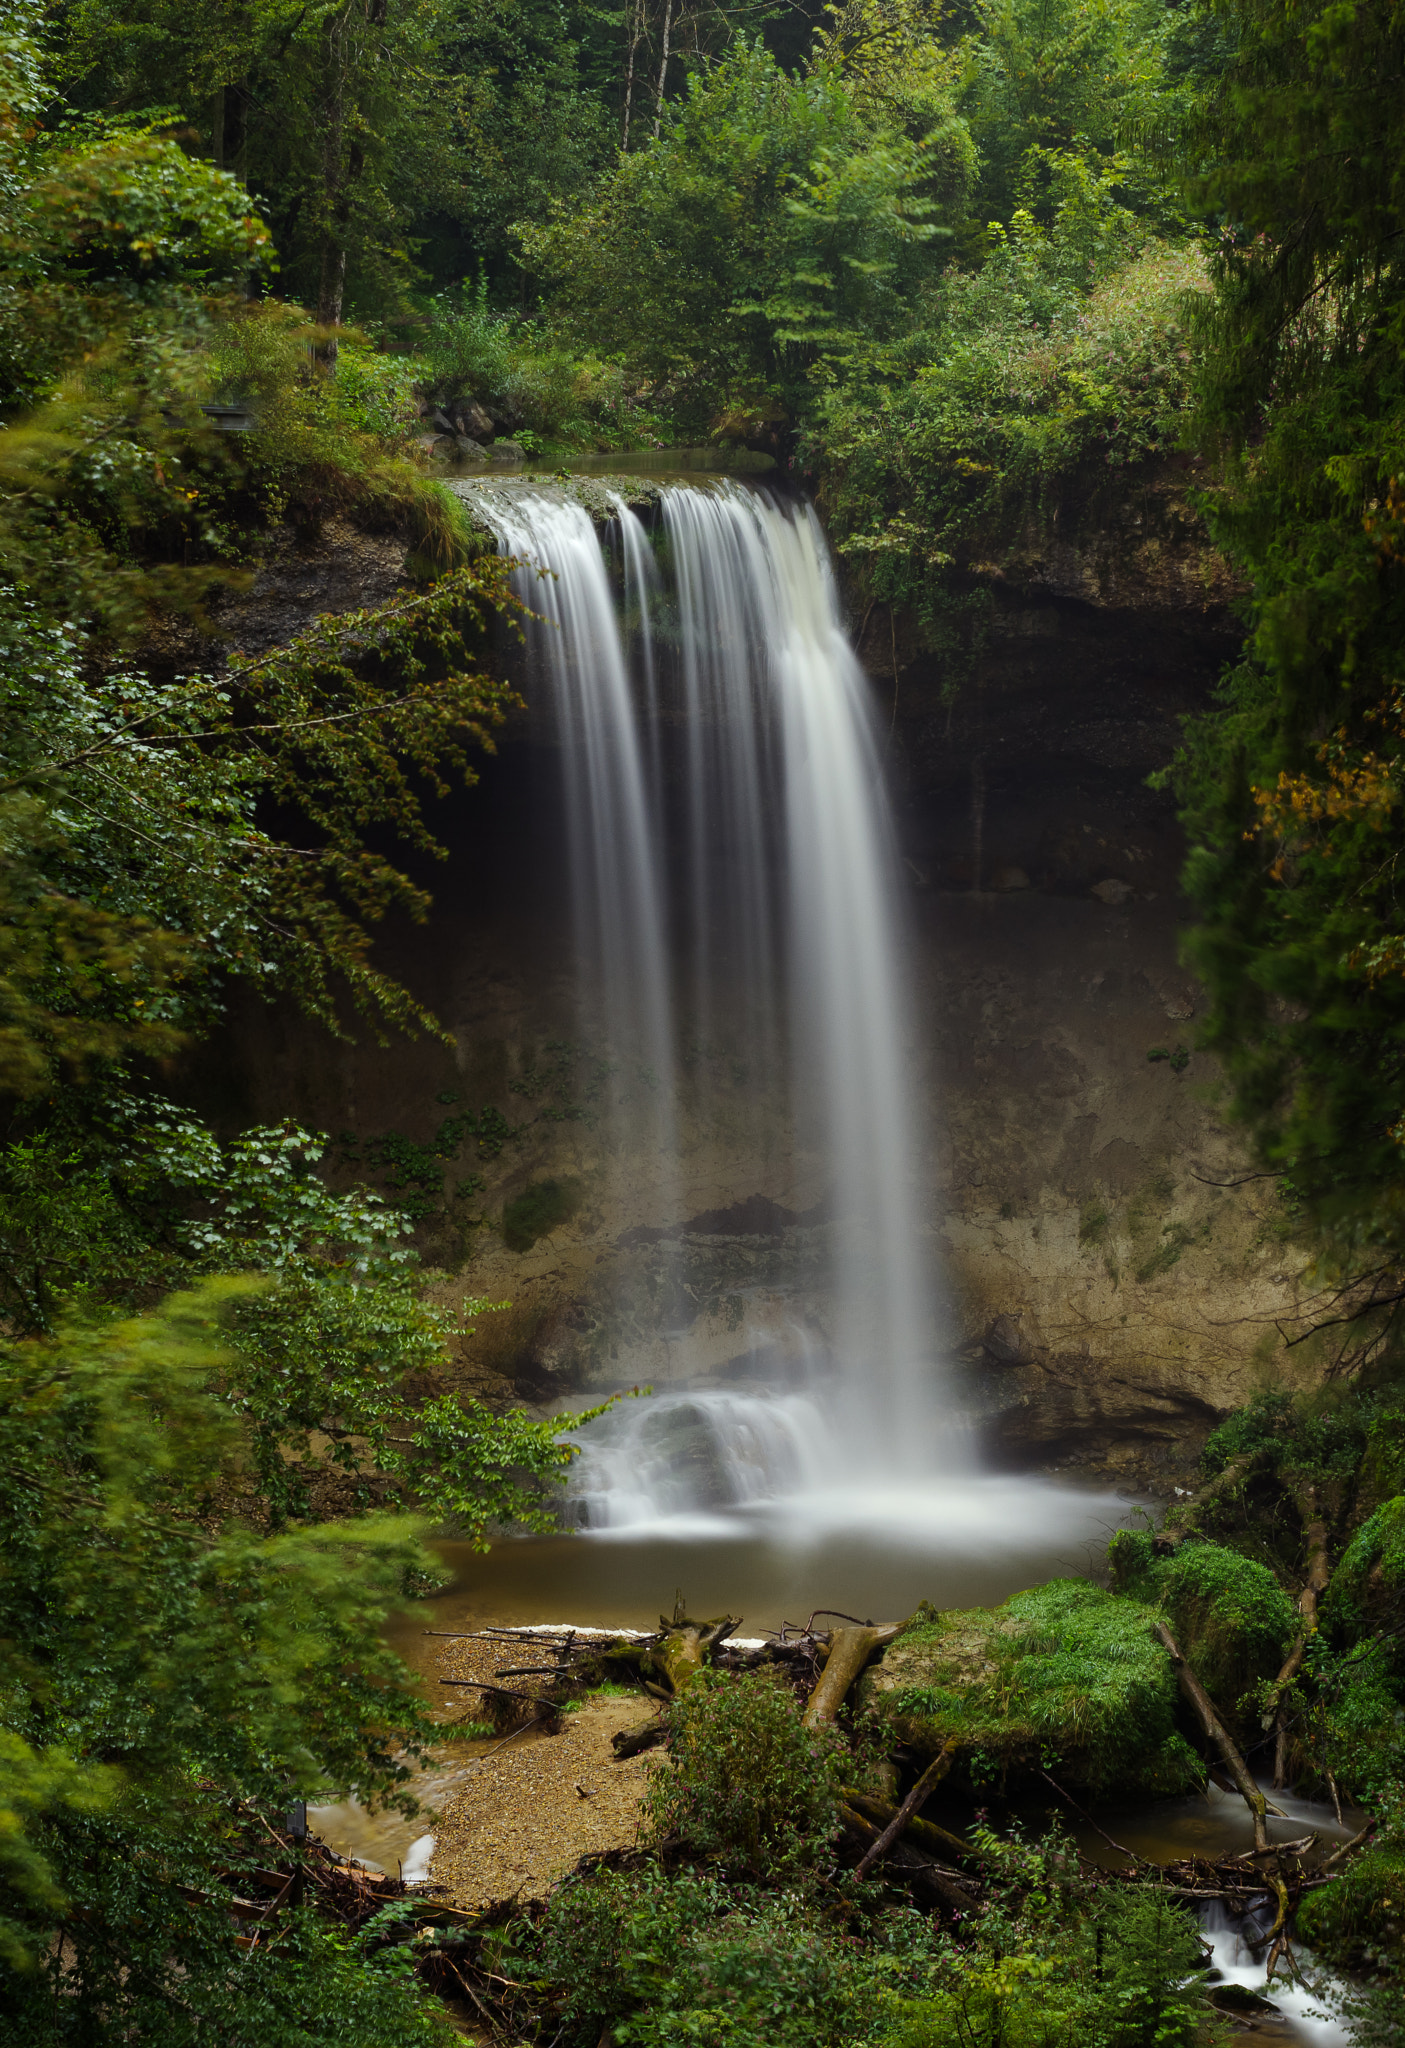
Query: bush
[
  {"x": 653, "y": 1961},
  {"x": 746, "y": 1783},
  {"x": 1122, "y": 1980},
  {"x": 1360, "y": 1918}
]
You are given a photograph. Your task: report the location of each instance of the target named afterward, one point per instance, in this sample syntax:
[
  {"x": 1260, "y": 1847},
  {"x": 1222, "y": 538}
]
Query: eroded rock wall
[{"x": 1111, "y": 1282}]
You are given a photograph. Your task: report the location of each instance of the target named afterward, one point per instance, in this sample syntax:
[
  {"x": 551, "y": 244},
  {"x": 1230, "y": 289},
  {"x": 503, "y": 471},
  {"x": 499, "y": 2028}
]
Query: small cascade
[
  {"x": 737, "y": 900},
  {"x": 698, "y": 1454}
]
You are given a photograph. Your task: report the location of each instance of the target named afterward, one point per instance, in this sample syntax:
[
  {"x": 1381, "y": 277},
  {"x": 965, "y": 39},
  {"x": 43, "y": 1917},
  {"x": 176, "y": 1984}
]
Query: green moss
[
  {"x": 1065, "y": 1674},
  {"x": 1229, "y": 1614},
  {"x": 1363, "y": 1914},
  {"x": 1369, "y": 1583},
  {"x": 537, "y": 1210}
]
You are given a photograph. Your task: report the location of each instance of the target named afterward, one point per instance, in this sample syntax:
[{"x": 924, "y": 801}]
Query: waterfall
[{"x": 736, "y": 883}]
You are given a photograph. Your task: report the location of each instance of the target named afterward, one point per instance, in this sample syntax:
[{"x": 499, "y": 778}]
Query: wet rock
[
  {"x": 504, "y": 453},
  {"x": 1008, "y": 1343},
  {"x": 468, "y": 454},
  {"x": 476, "y": 421}
]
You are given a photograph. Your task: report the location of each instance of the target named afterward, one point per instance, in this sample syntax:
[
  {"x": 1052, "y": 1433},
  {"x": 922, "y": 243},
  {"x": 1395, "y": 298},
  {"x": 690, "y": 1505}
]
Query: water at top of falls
[{"x": 735, "y": 882}]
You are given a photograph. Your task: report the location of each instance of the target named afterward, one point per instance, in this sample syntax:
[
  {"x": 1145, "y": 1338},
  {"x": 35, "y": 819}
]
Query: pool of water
[{"x": 872, "y": 1552}]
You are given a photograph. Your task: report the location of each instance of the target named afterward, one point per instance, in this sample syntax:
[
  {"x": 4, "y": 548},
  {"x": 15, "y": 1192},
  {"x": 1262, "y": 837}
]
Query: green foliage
[
  {"x": 1064, "y": 1671},
  {"x": 537, "y": 1211},
  {"x": 746, "y": 1784},
  {"x": 1135, "y": 1989},
  {"x": 145, "y": 874},
  {"x": 1063, "y": 358},
  {"x": 1045, "y": 78},
  {"x": 1290, "y": 787},
  {"x": 768, "y": 228},
  {"x": 1227, "y": 1612},
  {"x": 1359, "y": 1920},
  {"x": 161, "y": 1666},
  {"x": 657, "y": 1962}
]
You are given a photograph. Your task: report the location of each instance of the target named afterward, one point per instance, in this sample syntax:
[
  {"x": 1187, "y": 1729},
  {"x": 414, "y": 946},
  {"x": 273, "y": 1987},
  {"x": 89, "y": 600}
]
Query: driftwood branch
[{"x": 1218, "y": 1734}]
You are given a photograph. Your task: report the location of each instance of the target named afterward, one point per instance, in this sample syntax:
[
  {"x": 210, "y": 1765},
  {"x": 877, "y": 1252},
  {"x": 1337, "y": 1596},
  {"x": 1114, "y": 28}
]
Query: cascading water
[{"x": 783, "y": 930}]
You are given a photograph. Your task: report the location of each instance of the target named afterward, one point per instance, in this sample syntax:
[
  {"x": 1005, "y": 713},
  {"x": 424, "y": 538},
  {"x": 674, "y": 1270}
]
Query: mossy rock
[
  {"x": 1360, "y": 1917},
  {"x": 538, "y": 1210},
  {"x": 1228, "y": 1613},
  {"x": 1368, "y": 1586},
  {"x": 1064, "y": 1677}
]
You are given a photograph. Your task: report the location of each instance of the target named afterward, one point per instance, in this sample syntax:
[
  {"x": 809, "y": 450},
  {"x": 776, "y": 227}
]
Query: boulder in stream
[{"x": 1064, "y": 1670}]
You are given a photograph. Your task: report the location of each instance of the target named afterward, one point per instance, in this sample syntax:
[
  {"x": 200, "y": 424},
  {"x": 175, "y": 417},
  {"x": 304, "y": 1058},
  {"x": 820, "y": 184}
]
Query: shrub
[
  {"x": 653, "y": 1961},
  {"x": 1120, "y": 1981},
  {"x": 1361, "y": 1916},
  {"x": 746, "y": 1783}
]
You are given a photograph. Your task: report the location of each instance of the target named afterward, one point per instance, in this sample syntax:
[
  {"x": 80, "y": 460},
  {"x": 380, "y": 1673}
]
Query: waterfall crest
[{"x": 735, "y": 877}]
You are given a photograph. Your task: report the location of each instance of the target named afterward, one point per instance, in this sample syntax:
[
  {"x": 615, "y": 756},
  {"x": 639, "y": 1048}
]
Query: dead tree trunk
[
  {"x": 1217, "y": 1732},
  {"x": 663, "y": 68},
  {"x": 669, "y": 1666},
  {"x": 933, "y": 1775},
  {"x": 927, "y": 1834},
  {"x": 1318, "y": 1577},
  {"x": 849, "y": 1651}
]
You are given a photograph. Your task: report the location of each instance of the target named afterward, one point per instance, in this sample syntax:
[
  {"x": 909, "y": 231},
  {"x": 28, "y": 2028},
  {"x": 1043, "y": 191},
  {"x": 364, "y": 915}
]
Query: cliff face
[
  {"x": 1108, "y": 1292},
  {"x": 1118, "y": 1290}
]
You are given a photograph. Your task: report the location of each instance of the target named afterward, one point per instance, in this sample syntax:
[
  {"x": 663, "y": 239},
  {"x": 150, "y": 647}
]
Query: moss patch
[
  {"x": 1063, "y": 1670},
  {"x": 537, "y": 1210},
  {"x": 1229, "y": 1614}
]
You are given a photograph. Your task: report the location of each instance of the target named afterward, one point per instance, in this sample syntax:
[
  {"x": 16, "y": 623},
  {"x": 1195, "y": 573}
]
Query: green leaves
[{"x": 766, "y": 229}]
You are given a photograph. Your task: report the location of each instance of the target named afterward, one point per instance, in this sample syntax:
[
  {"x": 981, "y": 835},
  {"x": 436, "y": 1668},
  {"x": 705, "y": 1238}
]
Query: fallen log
[
  {"x": 643, "y": 1735},
  {"x": 932, "y": 1776},
  {"x": 939, "y": 1884},
  {"x": 1218, "y": 1734},
  {"x": 927, "y": 1834},
  {"x": 849, "y": 1651},
  {"x": 1185, "y": 1520}
]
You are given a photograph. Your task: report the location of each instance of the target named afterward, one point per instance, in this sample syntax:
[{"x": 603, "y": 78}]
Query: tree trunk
[
  {"x": 927, "y": 1834},
  {"x": 1318, "y": 1578},
  {"x": 663, "y": 68},
  {"x": 342, "y": 164},
  {"x": 636, "y": 30},
  {"x": 1210, "y": 1721},
  {"x": 849, "y": 1651},
  {"x": 933, "y": 1775}
]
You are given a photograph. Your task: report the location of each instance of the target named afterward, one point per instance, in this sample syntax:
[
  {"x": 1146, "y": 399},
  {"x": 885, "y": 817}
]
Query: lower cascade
[{"x": 735, "y": 887}]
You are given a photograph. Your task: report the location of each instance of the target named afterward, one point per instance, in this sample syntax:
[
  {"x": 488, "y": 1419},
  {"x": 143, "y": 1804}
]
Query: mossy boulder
[
  {"x": 1228, "y": 1613},
  {"x": 1065, "y": 1677},
  {"x": 1361, "y": 1917},
  {"x": 1368, "y": 1586}
]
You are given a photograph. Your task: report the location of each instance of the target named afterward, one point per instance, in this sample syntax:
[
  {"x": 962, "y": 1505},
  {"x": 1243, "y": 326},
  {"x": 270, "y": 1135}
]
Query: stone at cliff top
[{"x": 1065, "y": 1668}]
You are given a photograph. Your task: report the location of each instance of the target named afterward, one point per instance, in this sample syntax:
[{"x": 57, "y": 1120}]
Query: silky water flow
[{"x": 735, "y": 876}]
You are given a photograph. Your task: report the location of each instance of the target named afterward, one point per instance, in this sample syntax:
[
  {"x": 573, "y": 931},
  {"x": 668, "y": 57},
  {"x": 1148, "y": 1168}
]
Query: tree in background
[
  {"x": 1293, "y": 788},
  {"x": 770, "y": 227}
]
